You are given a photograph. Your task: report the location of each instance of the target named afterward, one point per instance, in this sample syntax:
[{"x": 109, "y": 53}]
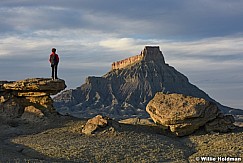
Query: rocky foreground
[{"x": 61, "y": 140}]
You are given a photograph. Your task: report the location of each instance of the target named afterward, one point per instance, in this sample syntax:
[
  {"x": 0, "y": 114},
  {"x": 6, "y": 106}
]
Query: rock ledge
[{"x": 29, "y": 98}]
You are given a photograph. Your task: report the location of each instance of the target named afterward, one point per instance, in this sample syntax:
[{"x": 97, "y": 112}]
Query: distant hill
[{"x": 125, "y": 91}]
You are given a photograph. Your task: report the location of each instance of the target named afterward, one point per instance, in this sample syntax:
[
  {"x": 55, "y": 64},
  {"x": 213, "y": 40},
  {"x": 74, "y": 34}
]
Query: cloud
[
  {"x": 216, "y": 49},
  {"x": 157, "y": 19},
  {"x": 202, "y": 39}
]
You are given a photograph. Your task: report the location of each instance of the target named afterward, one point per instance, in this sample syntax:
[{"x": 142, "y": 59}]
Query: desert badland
[{"x": 147, "y": 112}]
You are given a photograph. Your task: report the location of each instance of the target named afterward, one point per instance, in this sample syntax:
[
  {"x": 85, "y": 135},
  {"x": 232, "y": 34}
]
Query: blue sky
[{"x": 200, "y": 38}]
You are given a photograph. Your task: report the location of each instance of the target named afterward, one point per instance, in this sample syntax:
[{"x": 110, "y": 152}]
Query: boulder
[
  {"x": 99, "y": 124},
  {"x": 138, "y": 121},
  {"x": 29, "y": 97},
  {"x": 223, "y": 123},
  {"x": 184, "y": 114}
]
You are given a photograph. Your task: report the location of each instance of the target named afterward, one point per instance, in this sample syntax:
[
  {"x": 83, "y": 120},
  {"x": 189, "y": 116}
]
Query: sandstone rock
[
  {"x": 29, "y": 98},
  {"x": 1, "y": 85},
  {"x": 41, "y": 85},
  {"x": 185, "y": 114},
  {"x": 32, "y": 114},
  {"x": 223, "y": 123},
  {"x": 149, "y": 53},
  {"x": 137, "y": 121},
  {"x": 99, "y": 124},
  {"x": 125, "y": 91}
]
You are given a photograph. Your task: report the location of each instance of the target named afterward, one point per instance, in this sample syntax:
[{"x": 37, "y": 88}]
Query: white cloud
[
  {"x": 211, "y": 49},
  {"x": 210, "y": 46},
  {"x": 119, "y": 44}
]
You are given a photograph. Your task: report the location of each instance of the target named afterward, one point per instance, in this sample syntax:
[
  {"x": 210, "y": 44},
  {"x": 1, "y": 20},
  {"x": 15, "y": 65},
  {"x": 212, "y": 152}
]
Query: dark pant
[{"x": 54, "y": 71}]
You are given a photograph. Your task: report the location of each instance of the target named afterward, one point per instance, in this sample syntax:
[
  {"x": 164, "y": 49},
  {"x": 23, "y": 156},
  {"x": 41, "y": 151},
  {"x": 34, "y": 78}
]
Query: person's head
[{"x": 54, "y": 50}]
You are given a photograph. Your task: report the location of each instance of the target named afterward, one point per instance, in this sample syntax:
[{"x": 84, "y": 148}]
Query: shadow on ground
[
  {"x": 60, "y": 140},
  {"x": 12, "y": 128}
]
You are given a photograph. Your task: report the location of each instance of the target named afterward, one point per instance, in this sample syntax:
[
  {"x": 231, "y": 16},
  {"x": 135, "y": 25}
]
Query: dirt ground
[{"x": 60, "y": 140}]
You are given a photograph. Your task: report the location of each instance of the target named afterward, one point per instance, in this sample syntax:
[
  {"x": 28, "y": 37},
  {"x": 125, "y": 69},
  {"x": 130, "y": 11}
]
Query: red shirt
[{"x": 57, "y": 58}]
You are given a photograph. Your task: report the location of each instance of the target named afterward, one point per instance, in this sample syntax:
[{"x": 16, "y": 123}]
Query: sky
[{"x": 203, "y": 39}]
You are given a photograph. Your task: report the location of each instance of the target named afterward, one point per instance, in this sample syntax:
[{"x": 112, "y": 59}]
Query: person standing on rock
[{"x": 54, "y": 60}]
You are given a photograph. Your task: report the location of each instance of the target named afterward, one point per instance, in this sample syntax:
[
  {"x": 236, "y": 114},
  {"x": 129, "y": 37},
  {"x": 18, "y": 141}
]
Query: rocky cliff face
[
  {"x": 126, "y": 90},
  {"x": 29, "y": 98},
  {"x": 149, "y": 53}
]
